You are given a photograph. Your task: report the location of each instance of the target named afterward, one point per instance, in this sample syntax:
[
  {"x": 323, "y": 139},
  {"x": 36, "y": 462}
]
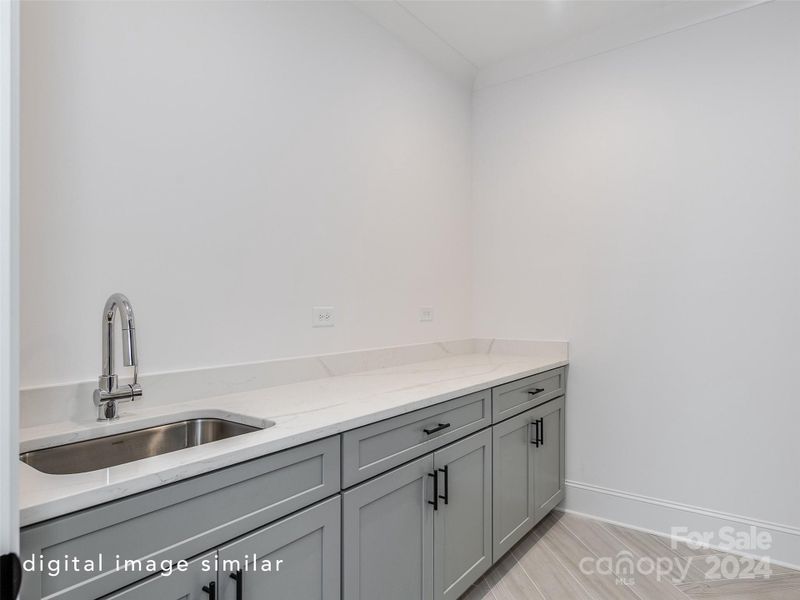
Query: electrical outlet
[
  {"x": 323, "y": 316},
  {"x": 426, "y": 313}
]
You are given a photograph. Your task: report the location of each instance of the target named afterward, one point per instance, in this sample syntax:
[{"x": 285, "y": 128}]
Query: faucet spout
[
  {"x": 118, "y": 303},
  {"x": 109, "y": 393}
]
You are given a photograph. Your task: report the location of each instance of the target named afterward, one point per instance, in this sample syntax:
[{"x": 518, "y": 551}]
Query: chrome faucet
[{"x": 108, "y": 395}]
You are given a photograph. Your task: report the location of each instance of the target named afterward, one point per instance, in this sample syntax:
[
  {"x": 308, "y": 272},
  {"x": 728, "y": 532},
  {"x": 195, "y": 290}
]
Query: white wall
[
  {"x": 645, "y": 205},
  {"x": 228, "y": 166}
]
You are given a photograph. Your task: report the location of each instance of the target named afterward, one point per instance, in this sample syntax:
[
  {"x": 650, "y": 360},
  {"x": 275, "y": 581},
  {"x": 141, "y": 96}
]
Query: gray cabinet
[
  {"x": 423, "y": 530},
  {"x": 462, "y": 531},
  {"x": 179, "y": 585},
  {"x": 178, "y": 521},
  {"x": 297, "y": 558},
  {"x": 376, "y": 448},
  {"x": 387, "y": 534},
  {"x": 528, "y": 471},
  {"x": 460, "y": 494},
  {"x": 548, "y": 458},
  {"x": 512, "y": 470}
]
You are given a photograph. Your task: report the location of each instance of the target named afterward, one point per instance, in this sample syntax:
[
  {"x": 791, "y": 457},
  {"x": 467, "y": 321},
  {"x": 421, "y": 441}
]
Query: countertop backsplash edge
[{"x": 42, "y": 405}]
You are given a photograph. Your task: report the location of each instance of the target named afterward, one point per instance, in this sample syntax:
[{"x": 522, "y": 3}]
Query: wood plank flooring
[{"x": 570, "y": 557}]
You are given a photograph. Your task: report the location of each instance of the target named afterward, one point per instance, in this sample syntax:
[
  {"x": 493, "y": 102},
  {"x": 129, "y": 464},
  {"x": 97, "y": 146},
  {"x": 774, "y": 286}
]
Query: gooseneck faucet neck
[
  {"x": 117, "y": 303},
  {"x": 109, "y": 393}
]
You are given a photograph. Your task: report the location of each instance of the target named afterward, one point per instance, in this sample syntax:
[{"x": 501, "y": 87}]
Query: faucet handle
[
  {"x": 136, "y": 390},
  {"x": 107, "y": 403}
]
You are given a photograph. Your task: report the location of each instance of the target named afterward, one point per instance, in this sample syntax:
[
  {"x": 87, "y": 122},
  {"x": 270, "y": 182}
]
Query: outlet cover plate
[{"x": 323, "y": 316}]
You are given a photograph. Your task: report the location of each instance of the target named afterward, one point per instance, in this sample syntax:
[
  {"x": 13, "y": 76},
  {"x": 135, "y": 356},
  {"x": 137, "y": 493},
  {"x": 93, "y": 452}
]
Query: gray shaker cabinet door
[
  {"x": 462, "y": 531},
  {"x": 186, "y": 585},
  {"x": 307, "y": 544},
  {"x": 548, "y": 457},
  {"x": 387, "y": 531},
  {"x": 528, "y": 471},
  {"x": 512, "y": 471}
]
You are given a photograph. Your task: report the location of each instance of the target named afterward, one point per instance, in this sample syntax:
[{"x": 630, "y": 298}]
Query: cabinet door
[
  {"x": 387, "y": 531},
  {"x": 512, "y": 472},
  {"x": 462, "y": 532},
  {"x": 186, "y": 585},
  {"x": 297, "y": 558},
  {"x": 548, "y": 457}
]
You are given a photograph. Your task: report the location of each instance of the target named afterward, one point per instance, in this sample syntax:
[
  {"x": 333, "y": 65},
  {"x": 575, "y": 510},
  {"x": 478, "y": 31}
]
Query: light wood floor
[{"x": 561, "y": 559}]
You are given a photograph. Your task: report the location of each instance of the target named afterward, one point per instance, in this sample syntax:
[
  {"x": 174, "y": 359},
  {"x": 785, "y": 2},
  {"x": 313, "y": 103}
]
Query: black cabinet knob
[
  {"x": 211, "y": 590},
  {"x": 239, "y": 579}
]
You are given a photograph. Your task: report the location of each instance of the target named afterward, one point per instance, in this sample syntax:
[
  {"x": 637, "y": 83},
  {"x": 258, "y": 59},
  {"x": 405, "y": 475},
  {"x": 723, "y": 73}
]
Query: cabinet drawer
[
  {"x": 178, "y": 521},
  {"x": 372, "y": 449},
  {"x": 518, "y": 396}
]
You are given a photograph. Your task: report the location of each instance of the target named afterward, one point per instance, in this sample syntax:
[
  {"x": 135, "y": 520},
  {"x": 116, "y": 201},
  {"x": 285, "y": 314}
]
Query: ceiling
[{"x": 483, "y": 42}]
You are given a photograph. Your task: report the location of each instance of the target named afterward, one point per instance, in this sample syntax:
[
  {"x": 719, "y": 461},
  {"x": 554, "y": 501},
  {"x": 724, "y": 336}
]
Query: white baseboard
[{"x": 654, "y": 515}]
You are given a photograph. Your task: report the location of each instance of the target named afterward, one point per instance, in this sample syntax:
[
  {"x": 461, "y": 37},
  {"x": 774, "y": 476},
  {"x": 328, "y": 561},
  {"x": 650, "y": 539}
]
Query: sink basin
[{"x": 121, "y": 448}]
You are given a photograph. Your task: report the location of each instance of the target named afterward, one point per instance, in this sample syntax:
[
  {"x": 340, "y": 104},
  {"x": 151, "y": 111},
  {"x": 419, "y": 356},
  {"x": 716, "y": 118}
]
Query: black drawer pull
[
  {"x": 536, "y": 391},
  {"x": 211, "y": 590},
  {"x": 435, "y": 500},
  {"x": 541, "y": 431},
  {"x": 439, "y": 427},
  {"x": 239, "y": 579},
  {"x": 446, "y": 485}
]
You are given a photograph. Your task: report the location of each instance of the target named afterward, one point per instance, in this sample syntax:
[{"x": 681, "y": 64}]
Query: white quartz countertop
[{"x": 302, "y": 412}]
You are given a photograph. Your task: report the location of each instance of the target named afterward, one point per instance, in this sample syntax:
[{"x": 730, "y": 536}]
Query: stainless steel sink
[{"x": 112, "y": 450}]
